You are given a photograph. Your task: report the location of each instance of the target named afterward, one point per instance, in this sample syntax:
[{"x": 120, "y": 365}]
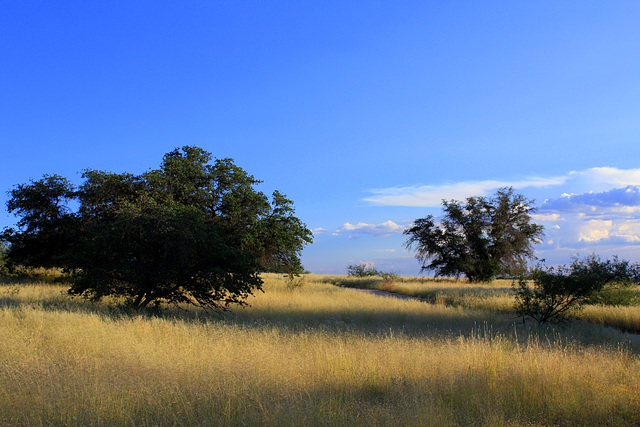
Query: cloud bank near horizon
[
  {"x": 593, "y": 179},
  {"x": 603, "y": 220},
  {"x": 360, "y": 229},
  {"x": 595, "y": 210}
]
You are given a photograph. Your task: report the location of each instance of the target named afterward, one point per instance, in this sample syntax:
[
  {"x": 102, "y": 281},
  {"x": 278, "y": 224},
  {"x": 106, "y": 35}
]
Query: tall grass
[
  {"x": 496, "y": 296},
  {"x": 305, "y": 354}
]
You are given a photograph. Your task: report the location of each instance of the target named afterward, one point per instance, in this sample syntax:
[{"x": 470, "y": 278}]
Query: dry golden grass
[
  {"x": 305, "y": 354},
  {"x": 496, "y": 296},
  {"x": 624, "y": 318}
]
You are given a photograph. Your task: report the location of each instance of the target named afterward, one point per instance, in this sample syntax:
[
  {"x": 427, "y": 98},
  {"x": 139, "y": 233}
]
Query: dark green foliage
[
  {"x": 224, "y": 193},
  {"x": 151, "y": 253},
  {"x": 46, "y": 225},
  {"x": 616, "y": 294},
  {"x": 189, "y": 232},
  {"x": 280, "y": 236},
  {"x": 4, "y": 265},
  {"x": 481, "y": 239},
  {"x": 558, "y": 291},
  {"x": 103, "y": 191}
]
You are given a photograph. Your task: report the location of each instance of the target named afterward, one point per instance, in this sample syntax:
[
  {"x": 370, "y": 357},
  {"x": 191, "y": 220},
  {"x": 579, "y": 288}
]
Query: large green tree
[
  {"x": 152, "y": 253},
  {"x": 480, "y": 238},
  {"x": 191, "y": 231},
  {"x": 225, "y": 194}
]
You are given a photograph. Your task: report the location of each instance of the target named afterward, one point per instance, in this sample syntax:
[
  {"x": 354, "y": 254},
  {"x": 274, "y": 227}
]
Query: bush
[
  {"x": 4, "y": 267},
  {"x": 557, "y": 292},
  {"x": 616, "y": 295},
  {"x": 364, "y": 269}
]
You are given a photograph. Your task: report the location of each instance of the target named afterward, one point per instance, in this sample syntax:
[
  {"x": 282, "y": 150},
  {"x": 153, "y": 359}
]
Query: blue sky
[{"x": 366, "y": 114}]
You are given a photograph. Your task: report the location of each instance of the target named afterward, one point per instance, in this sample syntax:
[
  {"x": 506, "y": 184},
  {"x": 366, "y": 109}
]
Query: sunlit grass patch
[
  {"x": 305, "y": 354},
  {"x": 495, "y": 296},
  {"x": 623, "y": 318},
  {"x": 320, "y": 303}
]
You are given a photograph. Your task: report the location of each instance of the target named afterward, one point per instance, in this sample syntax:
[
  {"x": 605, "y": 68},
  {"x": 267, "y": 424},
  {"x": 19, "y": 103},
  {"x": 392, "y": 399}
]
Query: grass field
[
  {"x": 496, "y": 296},
  {"x": 311, "y": 353}
]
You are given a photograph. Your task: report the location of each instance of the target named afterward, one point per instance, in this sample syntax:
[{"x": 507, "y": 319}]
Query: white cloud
[
  {"x": 319, "y": 230},
  {"x": 620, "y": 200},
  {"x": 603, "y": 232},
  {"x": 595, "y": 230},
  {"x": 606, "y": 220},
  {"x": 629, "y": 231},
  {"x": 384, "y": 229},
  {"x": 432, "y": 195},
  {"x": 607, "y": 176},
  {"x": 537, "y": 217},
  {"x": 594, "y": 179}
]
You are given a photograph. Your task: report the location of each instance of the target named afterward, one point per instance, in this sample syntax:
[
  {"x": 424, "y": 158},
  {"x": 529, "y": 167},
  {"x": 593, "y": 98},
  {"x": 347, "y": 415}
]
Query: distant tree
[
  {"x": 364, "y": 269},
  {"x": 46, "y": 227},
  {"x": 558, "y": 291},
  {"x": 480, "y": 239},
  {"x": 190, "y": 231}
]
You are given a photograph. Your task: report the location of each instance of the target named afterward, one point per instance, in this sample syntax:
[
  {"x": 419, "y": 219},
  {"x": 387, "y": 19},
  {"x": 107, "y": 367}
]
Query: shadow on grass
[
  {"x": 18, "y": 295},
  {"x": 471, "y": 397},
  {"x": 391, "y": 319},
  {"x": 431, "y": 322},
  {"x": 429, "y": 295}
]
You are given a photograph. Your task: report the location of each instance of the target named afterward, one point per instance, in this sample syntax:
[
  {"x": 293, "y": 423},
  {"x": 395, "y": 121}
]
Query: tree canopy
[
  {"x": 191, "y": 231},
  {"x": 480, "y": 238},
  {"x": 45, "y": 221}
]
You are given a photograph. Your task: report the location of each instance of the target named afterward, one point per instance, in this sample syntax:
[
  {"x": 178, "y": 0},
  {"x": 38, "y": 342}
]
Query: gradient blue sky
[{"x": 365, "y": 113}]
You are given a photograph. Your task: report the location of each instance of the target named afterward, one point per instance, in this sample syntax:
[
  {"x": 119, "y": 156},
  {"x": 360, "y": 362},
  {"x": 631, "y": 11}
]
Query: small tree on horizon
[
  {"x": 480, "y": 238},
  {"x": 363, "y": 269}
]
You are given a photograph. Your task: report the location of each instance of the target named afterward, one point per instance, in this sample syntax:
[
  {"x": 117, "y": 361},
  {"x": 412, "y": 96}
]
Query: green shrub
[
  {"x": 365, "y": 269},
  {"x": 370, "y": 282},
  {"x": 557, "y": 292},
  {"x": 4, "y": 268},
  {"x": 616, "y": 294}
]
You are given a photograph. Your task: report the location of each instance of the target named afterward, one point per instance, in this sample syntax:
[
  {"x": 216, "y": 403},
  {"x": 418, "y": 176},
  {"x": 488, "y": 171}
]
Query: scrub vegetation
[{"x": 307, "y": 352}]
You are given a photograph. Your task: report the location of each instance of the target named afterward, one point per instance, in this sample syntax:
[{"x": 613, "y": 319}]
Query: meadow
[
  {"x": 308, "y": 352},
  {"x": 496, "y": 295}
]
